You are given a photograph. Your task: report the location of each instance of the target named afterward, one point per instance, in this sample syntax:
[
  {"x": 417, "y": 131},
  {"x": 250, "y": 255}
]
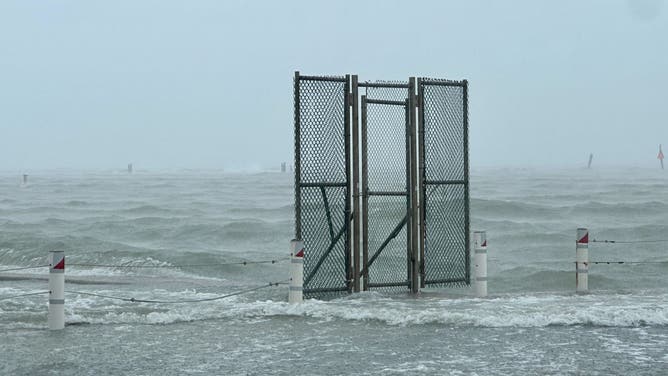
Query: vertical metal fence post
[
  {"x": 467, "y": 213},
  {"x": 413, "y": 195},
  {"x": 365, "y": 198},
  {"x": 421, "y": 177},
  {"x": 347, "y": 218},
  {"x": 409, "y": 207},
  {"x": 298, "y": 223},
  {"x": 356, "y": 193}
]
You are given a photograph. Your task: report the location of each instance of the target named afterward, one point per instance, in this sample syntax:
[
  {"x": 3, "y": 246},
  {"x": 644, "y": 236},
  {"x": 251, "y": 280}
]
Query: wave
[{"x": 524, "y": 311}]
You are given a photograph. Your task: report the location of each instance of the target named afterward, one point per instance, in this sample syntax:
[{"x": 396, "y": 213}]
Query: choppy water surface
[{"x": 532, "y": 323}]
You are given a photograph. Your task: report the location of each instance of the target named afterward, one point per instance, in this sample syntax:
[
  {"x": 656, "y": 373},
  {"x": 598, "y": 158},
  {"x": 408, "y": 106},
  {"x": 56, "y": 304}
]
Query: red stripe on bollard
[
  {"x": 584, "y": 239},
  {"x": 60, "y": 265}
]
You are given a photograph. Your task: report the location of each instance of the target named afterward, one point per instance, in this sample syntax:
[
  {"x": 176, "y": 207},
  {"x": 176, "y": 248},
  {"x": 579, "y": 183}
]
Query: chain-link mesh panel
[
  {"x": 387, "y": 216},
  {"x": 322, "y": 196},
  {"x": 387, "y": 166},
  {"x": 387, "y": 93},
  {"x": 324, "y": 235},
  {"x": 445, "y": 182}
]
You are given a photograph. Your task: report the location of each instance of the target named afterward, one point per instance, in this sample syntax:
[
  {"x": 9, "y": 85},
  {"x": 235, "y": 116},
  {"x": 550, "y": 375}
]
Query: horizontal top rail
[
  {"x": 384, "y": 101},
  {"x": 387, "y": 193},
  {"x": 435, "y": 82},
  {"x": 444, "y": 182},
  {"x": 323, "y": 184},
  {"x": 323, "y": 78},
  {"x": 383, "y": 85}
]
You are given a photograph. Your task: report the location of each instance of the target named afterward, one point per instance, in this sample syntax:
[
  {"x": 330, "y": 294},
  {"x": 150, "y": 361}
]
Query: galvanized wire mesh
[
  {"x": 387, "y": 165},
  {"x": 445, "y": 182},
  {"x": 322, "y": 183}
]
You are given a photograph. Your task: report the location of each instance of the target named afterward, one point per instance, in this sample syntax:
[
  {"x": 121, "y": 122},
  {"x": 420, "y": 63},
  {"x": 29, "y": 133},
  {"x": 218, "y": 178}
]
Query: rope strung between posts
[
  {"x": 244, "y": 263},
  {"x": 22, "y": 295},
  {"x": 626, "y": 262},
  {"x": 135, "y": 300},
  {"x": 24, "y": 268},
  {"x": 630, "y": 241}
]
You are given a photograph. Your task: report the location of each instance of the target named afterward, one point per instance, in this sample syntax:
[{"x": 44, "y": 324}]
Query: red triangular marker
[
  {"x": 300, "y": 253},
  {"x": 484, "y": 244},
  {"x": 61, "y": 264},
  {"x": 585, "y": 239}
]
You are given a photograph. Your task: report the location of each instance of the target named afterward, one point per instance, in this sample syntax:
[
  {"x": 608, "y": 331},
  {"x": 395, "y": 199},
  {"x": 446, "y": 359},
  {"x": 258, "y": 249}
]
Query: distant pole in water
[
  {"x": 129, "y": 168},
  {"x": 591, "y": 157},
  {"x": 660, "y": 156},
  {"x": 480, "y": 262},
  {"x": 283, "y": 167},
  {"x": 25, "y": 179},
  {"x": 582, "y": 261}
]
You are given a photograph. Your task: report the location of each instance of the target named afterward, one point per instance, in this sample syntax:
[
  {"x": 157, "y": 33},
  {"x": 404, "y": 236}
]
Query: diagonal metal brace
[
  {"x": 327, "y": 252},
  {"x": 392, "y": 235},
  {"x": 328, "y": 213}
]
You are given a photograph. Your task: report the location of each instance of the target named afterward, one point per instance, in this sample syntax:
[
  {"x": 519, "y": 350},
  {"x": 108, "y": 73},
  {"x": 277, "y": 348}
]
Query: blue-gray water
[{"x": 532, "y": 323}]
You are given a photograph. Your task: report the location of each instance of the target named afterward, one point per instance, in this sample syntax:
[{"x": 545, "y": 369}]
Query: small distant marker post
[
  {"x": 129, "y": 168},
  {"x": 480, "y": 262},
  {"x": 25, "y": 179},
  {"x": 660, "y": 156},
  {"x": 56, "y": 316},
  {"x": 582, "y": 261},
  {"x": 296, "y": 294},
  {"x": 283, "y": 167},
  {"x": 591, "y": 157}
]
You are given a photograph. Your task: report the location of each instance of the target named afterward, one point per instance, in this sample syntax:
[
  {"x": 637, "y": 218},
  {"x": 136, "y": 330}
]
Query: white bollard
[
  {"x": 296, "y": 271},
  {"x": 56, "y": 315},
  {"x": 582, "y": 261},
  {"x": 480, "y": 262}
]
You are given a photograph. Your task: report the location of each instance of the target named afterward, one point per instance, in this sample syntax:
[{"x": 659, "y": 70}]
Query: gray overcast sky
[{"x": 98, "y": 84}]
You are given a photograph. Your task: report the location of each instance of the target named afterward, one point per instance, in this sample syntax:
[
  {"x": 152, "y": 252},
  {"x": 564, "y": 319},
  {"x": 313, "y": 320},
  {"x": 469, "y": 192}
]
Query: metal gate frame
[
  {"x": 436, "y": 254},
  {"x": 428, "y": 262},
  {"x": 393, "y": 277},
  {"x": 317, "y": 170}
]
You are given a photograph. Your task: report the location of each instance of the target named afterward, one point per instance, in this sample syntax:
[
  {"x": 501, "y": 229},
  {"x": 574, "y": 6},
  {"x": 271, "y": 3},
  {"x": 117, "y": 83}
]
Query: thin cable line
[
  {"x": 24, "y": 268},
  {"x": 134, "y": 300},
  {"x": 22, "y": 295},
  {"x": 629, "y": 241},
  {"x": 176, "y": 266}
]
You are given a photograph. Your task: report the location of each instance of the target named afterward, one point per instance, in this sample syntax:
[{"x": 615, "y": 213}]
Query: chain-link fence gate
[
  {"x": 322, "y": 182},
  {"x": 385, "y": 180},
  {"x": 413, "y": 219},
  {"x": 443, "y": 137}
]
